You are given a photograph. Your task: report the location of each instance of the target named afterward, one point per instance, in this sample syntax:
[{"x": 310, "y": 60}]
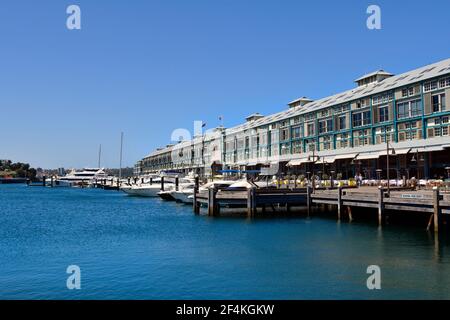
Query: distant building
[
  {"x": 344, "y": 134},
  {"x": 61, "y": 172}
]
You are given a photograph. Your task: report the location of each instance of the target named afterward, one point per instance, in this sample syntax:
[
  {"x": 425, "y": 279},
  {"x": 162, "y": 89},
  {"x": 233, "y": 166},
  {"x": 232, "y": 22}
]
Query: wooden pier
[{"x": 434, "y": 203}]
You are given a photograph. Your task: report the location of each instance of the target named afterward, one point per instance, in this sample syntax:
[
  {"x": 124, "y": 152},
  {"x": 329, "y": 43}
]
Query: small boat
[
  {"x": 146, "y": 190},
  {"x": 182, "y": 195}
]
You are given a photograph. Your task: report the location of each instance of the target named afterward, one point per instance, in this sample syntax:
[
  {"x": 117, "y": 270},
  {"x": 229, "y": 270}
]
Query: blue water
[{"x": 132, "y": 248}]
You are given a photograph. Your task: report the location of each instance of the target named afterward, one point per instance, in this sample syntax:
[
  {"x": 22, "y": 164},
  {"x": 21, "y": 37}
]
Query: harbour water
[{"x": 141, "y": 248}]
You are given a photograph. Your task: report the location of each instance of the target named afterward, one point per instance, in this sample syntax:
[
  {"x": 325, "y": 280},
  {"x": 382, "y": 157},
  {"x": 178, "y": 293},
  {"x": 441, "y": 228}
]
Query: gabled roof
[{"x": 375, "y": 73}]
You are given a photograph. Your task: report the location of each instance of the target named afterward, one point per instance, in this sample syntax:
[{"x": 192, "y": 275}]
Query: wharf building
[{"x": 343, "y": 135}]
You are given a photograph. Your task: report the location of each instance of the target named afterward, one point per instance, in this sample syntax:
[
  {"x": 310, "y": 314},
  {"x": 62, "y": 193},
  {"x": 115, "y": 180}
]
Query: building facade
[{"x": 345, "y": 134}]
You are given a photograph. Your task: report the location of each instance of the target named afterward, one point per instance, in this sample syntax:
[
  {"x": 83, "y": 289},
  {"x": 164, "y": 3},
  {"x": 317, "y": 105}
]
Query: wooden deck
[{"x": 431, "y": 202}]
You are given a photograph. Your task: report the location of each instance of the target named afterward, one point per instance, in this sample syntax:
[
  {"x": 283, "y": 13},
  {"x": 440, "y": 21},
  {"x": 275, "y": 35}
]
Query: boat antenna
[{"x": 120, "y": 163}]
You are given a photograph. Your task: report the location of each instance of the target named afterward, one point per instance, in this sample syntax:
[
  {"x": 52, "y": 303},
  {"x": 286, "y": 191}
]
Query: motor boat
[
  {"x": 146, "y": 189},
  {"x": 184, "y": 192}
]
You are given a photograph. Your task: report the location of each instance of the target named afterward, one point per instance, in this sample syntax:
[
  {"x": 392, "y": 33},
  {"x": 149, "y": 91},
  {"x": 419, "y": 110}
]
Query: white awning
[
  {"x": 367, "y": 156},
  {"x": 384, "y": 152},
  {"x": 297, "y": 162},
  {"x": 345, "y": 156},
  {"x": 328, "y": 159},
  {"x": 428, "y": 149},
  {"x": 402, "y": 151}
]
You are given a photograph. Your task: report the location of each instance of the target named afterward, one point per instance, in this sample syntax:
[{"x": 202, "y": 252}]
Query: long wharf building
[{"x": 345, "y": 134}]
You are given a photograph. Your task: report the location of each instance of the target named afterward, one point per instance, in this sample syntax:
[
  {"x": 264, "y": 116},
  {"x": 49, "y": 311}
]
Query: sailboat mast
[
  {"x": 99, "y": 156},
  {"x": 121, "y": 148}
]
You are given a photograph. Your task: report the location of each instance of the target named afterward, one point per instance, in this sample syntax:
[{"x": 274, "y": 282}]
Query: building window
[
  {"x": 325, "y": 143},
  {"x": 383, "y": 114},
  {"x": 382, "y": 98},
  {"x": 284, "y": 134},
  {"x": 361, "y": 138},
  {"x": 325, "y": 126},
  {"x": 430, "y": 86},
  {"x": 407, "y": 92},
  {"x": 342, "y": 123},
  {"x": 409, "y": 109},
  {"x": 310, "y": 129},
  {"x": 383, "y": 134},
  {"x": 296, "y": 133},
  {"x": 409, "y": 131},
  {"x": 342, "y": 140},
  {"x": 438, "y": 102},
  {"x": 438, "y": 127},
  {"x": 443, "y": 83},
  {"x": 297, "y": 147},
  {"x": 361, "y": 119},
  {"x": 310, "y": 145}
]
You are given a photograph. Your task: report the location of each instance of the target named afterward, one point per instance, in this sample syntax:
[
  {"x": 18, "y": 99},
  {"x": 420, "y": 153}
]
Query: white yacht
[
  {"x": 83, "y": 177},
  {"x": 183, "y": 193},
  {"x": 146, "y": 189}
]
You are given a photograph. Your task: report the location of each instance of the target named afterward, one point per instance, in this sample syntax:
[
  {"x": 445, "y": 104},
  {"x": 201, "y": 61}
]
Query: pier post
[
  {"x": 308, "y": 199},
  {"x": 437, "y": 209},
  {"x": 339, "y": 202},
  {"x": 251, "y": 202},
  {"x": 43, "y": 181},
  {"x": 195, "y": 202},
  {"x": 212, "y": 205},
  {"x": 177, "y": 183},
  {"x": 350, "y": 216},
  {"x": 380, "y": 205},
  {"x": 51, "y": 182},
  {"x": 162, "y": 183}
]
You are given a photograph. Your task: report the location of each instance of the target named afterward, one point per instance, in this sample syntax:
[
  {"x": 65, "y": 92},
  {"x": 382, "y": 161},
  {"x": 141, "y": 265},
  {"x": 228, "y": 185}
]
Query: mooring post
[
  {"x": 350, "y": 216},
  {"x": 339, "y": 202},
  {"x": 51, "y": 182},
  {"x": 43, "y": 180},
  {"x": 162, "y": 183},
  {"x": 308, "y": 199},
  {"x": 437, "y": 209},
  {"x": 177, "y": 183},
  {"x": 195, "y": 202},
  {"x": 380, "y": 205},
  {"x": 251, "y": 202},
  {"x": 212, "y": 206}
]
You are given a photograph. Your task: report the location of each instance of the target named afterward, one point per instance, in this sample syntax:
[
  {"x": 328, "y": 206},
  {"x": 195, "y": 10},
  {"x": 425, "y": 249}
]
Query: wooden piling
[
  {"x": 162, "y": 183},
  {"x": 177, "y": 183},
  {"x": 339, "y": 203},
  {"x": 437, "y": 209},
  {"x": 308, "y": 199},
  {"x": 51, "y": 182},
  {"x": 196, "y": 204},
  {"x": 212, "y": 204},
  {"x": 251, "y": 202},
  {"x": 349, "y": 211},
  {"x": 380, "y": 205}
]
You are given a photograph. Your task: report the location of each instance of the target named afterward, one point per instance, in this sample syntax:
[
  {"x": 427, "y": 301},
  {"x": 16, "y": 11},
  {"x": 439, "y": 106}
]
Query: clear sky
[{"x": 148, "y": 67}]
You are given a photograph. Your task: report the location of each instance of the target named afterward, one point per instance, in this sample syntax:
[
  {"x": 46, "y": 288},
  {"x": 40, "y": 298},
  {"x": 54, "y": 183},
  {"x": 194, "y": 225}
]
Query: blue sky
[{"x": 148, "y": 67}]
